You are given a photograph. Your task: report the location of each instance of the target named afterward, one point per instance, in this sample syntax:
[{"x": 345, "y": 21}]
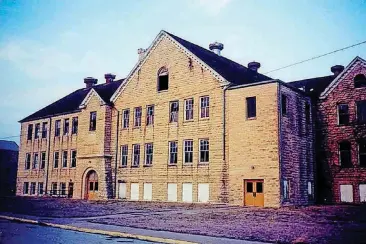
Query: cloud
[{"x": 212, "y": 7}]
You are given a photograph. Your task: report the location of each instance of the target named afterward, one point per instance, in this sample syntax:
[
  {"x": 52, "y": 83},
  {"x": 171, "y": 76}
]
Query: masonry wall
[
  {"x": 252, "y": 144},
  {"x": 187, "y": 79},
  {"x": 8, "y": 172},
  {"x": 297, "y": 148},
  {"x": 330, "y": 134}
]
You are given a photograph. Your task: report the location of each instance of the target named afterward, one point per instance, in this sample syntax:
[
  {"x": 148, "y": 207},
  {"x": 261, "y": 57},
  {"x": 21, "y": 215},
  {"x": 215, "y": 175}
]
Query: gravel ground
[{"x": 315, "y": 224}]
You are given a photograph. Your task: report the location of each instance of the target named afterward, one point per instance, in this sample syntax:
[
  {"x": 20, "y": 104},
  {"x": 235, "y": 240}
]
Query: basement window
[
  {"x": 360, "y": 81},
  {"x": 163, "y": 79}
]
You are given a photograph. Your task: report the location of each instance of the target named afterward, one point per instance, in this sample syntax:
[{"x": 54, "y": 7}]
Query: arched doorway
[{"x": 91, "y": 187}]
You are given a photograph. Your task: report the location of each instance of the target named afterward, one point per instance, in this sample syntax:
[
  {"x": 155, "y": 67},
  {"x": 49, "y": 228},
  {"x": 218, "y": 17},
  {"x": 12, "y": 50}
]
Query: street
[{"x": 19, "y": 233}]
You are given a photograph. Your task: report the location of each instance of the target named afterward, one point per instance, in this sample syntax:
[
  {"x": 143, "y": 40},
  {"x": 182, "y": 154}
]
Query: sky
[{"x": 48, "y": 47}]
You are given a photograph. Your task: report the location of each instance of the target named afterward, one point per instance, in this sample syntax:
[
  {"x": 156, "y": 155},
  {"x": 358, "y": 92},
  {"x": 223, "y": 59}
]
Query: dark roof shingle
[
  {"x": 71, "y": 102},
  {"x": 8, "y": 145},
  {"x": 230, "y": 70}
]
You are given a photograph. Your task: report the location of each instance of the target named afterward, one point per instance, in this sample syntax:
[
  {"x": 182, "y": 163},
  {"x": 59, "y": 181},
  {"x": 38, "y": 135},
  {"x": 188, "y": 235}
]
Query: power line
[
  {"x": 8, "y": 137},
  {"x": 316, "y": 57}
]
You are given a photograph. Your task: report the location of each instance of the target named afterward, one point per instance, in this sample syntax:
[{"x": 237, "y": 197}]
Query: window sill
[
  {"x": 172, "y": 165},
  {"x": 187, "y": 164},
  {"x": 135, "y": 166},
  {"x": 122, "y": 167},
  {"x": 147, "y": 165},
  {"x": 188, "y": 121},
  {"x": 252, "y": 118},
  {"x": 136, "y": 127},
  {"x": 203, "y": 163},
  {"x": 204, "y": 119}
]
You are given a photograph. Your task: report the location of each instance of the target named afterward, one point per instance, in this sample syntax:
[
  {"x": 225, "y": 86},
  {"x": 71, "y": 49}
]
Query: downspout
[
  {"x": 225, "y": 166},
  {"x": 48, "y": 153},
  {"x": 116, "y": 157},
  {"x": 279, "y": 114}
]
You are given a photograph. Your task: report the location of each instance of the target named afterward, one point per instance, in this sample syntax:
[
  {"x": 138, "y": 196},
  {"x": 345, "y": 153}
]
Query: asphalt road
[{"x": 19, "y": 233}]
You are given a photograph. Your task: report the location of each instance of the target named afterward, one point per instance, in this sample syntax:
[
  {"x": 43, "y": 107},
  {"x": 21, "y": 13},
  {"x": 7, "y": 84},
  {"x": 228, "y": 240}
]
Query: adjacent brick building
[
  {"x": 186, "y": 125},
  {"x": 340, "y": 105}
]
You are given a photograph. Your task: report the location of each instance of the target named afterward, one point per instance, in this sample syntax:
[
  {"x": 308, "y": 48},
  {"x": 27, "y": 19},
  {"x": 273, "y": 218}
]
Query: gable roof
[
  {"x": 313, "y": 86},
  {"x": 8, "y": 145},
  {"x": 225, "y": 70},
  {"x": 71, "y": 102}
]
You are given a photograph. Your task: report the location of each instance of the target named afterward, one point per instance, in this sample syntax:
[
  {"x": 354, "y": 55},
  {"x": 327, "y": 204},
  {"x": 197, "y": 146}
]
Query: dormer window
[
  {"x": 163, "y": 79},
  {"x": 360, "y": 81}
]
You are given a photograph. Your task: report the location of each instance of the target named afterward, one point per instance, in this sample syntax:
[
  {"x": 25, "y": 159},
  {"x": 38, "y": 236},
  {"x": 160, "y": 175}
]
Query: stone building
[
  {"x": 340, "y": 106},
  {"x": 8, "y": 167},
  {"x": 186, "y": 125}
]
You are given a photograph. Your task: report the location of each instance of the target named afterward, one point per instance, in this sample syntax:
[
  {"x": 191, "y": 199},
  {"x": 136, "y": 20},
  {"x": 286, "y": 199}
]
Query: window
[
  {"x": 173, "y": 152},
  {"x": 135, "y": 193},
  {"x": 93, "y": 121},
  {"x": 163, "y": 79},
  {"x": 362, "y": 153},
  {"x": 251, "y": 107},
  {"x": 43, "y": 160},
  {"x": 124, "y": 155},
  {"x": 204, "y": 151},
  {"x": 27, "y": 160},
  {"x": 40, "y": 188},
  {"x": 310, "y": 190},
  {"x": 172, "y": 192},
  {"x": 187, "y": 192},
  {"x": 174, "y": 109},
  {"x": 284, "y": 104},
  {"x": 307, "y": 113},
  {"x": 54, "y": 188},
  {"x": 150, "y": 115},
  {"x": 286, "y": 190},
  {"x": 30, "y": 132},
  {"x": 345, "y": 154},
  {"x": 343, "y": 114},
  {"x": 362, "y": 190},
  {"x": 44, "y": 130},
  {"x": 66, "y": 126},
  {"x": 361, "y": 112},
  {"x": 203, "y": 192},
  {"x": 205, "y": 107},
  {"x": 147, "y": 191},
  {"x": 360, "y": 81},
  {"x": 64, "y": 159},
  {"x": 33, "y": 188},
  {"x": 25, "y": 188},
  {"x": 149, "y": 151},
  {"x": 63, "y": 188},
  {"x": 137, "y": 119},
  {"x": 56, "y": 159},
  {"x": 188, "y": 108},
  {"x": 136, "y": 155},
  {"x": 37, "y": 130},
  {"x": 346, "y": 193},
  {"x": 126, "y": 118},
  {"x": 75, "y": 124},
  {"x": 57, "y": 127},
  {"x": 249, "y": 187},
  {"x": 188, "y": 151},
  {"x": 35, "y": 161},
  {"x": 73, "y": 158}
]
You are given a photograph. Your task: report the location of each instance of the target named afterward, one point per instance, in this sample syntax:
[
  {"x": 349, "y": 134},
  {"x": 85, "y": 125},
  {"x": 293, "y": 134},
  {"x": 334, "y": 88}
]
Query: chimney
[
  {"x": 109, "y": 78},
  {"x": 141, "y": 52},
  {"x": 90, "y": 81},
  {"x": 337, "y": 69},
  {"x": 216, "y": 47},
  {"x": 254, "y": 66}
]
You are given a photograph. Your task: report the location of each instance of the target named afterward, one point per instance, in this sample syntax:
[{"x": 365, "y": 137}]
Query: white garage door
[
  {"x": 135, "y": 191},
  {"x": 187, "y": 192},
  {"x": 122, "y": 190},
  {"x": 172, "y": 192},
  {"x": 346, "y": 193},
  {"x": 363, "y": 193},
  {"x": 203, "y": 192},
  {"x": 147, "y": 191}
]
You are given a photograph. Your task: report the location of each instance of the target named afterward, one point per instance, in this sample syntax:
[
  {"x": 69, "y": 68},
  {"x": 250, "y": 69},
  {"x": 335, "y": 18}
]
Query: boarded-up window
[
  {"x": 362, "y": 192},
  {"x": 135, "y": 191},
  {"x": 346, "y": 193},
  {"x": 203, "y": 192},
  {"x": 172, "y": 192},
  {"x": 147, "y": 191},
  {"x": 122, "y": 189},
  {"x": 187, "y": 192}
]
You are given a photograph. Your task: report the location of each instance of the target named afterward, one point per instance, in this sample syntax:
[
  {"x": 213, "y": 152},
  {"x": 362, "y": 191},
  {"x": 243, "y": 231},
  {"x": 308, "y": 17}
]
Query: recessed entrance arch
[{"x": 91, "y": 185}]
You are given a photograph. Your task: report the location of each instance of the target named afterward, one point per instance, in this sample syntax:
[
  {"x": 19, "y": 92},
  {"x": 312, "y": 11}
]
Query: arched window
[
  {"x": 345, "y": 154},
  {"x": 163, "y": 79},
  {"x": 360, "y": 80}
]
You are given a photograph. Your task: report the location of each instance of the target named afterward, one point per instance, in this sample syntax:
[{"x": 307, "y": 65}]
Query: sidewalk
[{"x": 83, "y": 225}]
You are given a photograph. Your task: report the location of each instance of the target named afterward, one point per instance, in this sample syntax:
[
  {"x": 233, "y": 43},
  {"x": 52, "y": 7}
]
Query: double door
[{"x": 254, "y": 193}]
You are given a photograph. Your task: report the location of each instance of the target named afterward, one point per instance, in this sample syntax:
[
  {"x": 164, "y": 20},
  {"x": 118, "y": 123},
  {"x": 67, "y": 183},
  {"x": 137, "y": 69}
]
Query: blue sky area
[{"x": 48, "y": 47}]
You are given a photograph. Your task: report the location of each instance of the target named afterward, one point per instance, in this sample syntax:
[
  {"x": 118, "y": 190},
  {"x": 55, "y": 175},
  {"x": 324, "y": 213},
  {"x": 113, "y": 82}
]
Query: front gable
[{"x": 92, "y": 94}]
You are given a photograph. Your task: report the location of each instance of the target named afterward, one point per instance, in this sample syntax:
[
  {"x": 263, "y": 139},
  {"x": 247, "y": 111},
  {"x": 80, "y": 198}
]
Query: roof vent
[
  {"x": 254, "y": 66},
  {"x": 337, "y": 69},
  {"x": 216, "y": 47},
  {"x": 109, "y": 78},
  {"x": 90, "y": 81},
  {"x": 141, "y": 52}
]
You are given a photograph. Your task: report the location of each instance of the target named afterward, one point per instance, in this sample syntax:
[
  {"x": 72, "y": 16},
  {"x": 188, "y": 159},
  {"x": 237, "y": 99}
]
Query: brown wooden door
[
  {"x": 254, "y": 193},
  {"x": 92, "y": 186}
]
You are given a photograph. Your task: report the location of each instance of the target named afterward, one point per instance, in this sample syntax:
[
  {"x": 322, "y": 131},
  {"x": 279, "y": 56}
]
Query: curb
[{"x": 101, "y": 232}]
